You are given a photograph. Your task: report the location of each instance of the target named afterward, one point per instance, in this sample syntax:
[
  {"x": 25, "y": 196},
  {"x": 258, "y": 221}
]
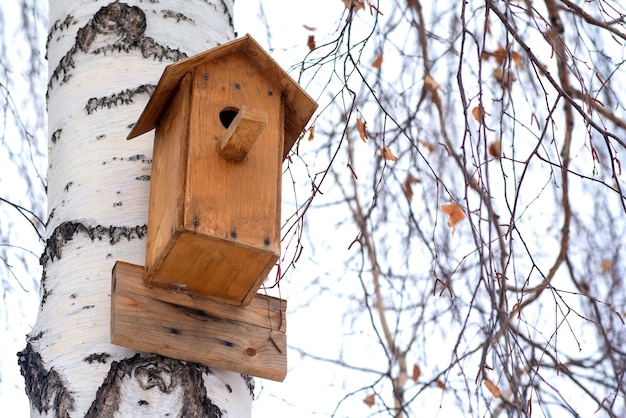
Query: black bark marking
[
  {"x": 250, "y": 383},
  {"x": 171, "y": 14},
  {"x": 122, "y": 23},
  {"x": 97, "y": 358},
  {"x": 226, "y": 11},
  {"x": 117, "y": 204},
  {"x": 68, "y": 185},
  {"x": 45, "y": 292},
  {"x": 153, "y": 371},
  {"x": 143, "y": 177},
  {"x": 143, "y": 402},
  {"x": 35, "y": 337},
  {"x": 155, "y": 375},
  {"x": 56, "y": 135},
  {"x": 51, "y": 214},
  {"x": 151, "y": 49},
  {"x": 45, "y": 388},
  {"x": 133, "y": 158},
  {"x": 67, "y": 230},
  {"x": 121, "y": 28},
  {"x": 59, "y": 26},
  {"x": 88, "y": 307},
  {"x": 175, "y": 331},
  {"x": 228, "y": 388},
  {"x": 124, "y": 97}
]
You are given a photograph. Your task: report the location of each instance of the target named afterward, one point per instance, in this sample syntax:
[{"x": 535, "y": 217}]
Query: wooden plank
[
  {"x": 249, "y": 340},
  {"x": 242, "y": 133}
]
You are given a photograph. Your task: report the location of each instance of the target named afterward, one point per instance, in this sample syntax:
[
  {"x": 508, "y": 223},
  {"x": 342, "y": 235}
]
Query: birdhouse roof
[{"x": 299, "y": 106}]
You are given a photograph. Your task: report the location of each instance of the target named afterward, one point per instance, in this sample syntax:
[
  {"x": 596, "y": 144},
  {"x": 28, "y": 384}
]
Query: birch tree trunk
[{"x": 105, "y": 59}]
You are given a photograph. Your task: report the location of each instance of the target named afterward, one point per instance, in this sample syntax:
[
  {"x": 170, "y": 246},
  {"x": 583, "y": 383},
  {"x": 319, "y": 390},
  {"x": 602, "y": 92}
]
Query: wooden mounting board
[{"x": 246, "y": 339}]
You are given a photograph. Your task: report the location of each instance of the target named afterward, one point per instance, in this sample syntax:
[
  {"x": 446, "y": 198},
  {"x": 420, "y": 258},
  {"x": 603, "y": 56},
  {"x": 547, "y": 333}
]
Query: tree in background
[
  {"x": 477, "y": 151},
  {"x": 22, "y": 179}
]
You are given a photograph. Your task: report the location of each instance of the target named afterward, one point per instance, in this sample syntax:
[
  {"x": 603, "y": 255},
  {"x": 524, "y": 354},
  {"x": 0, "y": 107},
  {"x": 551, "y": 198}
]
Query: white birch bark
[{"x": 104, "y": 60}]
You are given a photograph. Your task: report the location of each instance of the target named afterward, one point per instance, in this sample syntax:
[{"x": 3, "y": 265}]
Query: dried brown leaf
[
  {"x": 388, "y": 155},
  {"x": 428, "y": 145},
  {"x": 357, "y": 4},
  {"x": 495, "y": 391},
  {"x": 311, "y": 133},
  {"x": 416, "y": 372},
  {"x": 407, "y": 187},
  {"x": 499, "y": 54},
  {"x": 606, "y": 265},
  {"x": 504, "y": 77},
  {"x": 601, "y": 405},
  {"x": 311, "y": 42},
  {"x": 517, "y": 59},
  {"x": 378, "y": 61},
  {"x": 310, "y": 28},
  {"x": 479, "y": 114},
  {"x": 494, "y": 148},
  {"x": 361, "y": 126},
  {"x": 441, "y": 385},
  {"x": 430, "y": 83},
  {"x": 370, "y": 400},
  {"x": 454, "y": 212}
]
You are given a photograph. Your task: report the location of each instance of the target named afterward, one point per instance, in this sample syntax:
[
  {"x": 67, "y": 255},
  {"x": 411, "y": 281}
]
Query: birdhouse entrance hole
[{"x": 227, "y": 115}]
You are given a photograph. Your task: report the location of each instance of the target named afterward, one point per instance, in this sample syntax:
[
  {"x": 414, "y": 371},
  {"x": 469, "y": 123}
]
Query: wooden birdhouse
[{"x": 225, "y": 119}]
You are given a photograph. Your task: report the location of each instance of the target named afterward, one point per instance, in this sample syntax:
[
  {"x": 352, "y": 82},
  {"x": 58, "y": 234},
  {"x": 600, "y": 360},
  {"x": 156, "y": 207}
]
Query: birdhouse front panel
[
  {"x": 223, "y": 235},
  {"x": 229, "y": 199}
]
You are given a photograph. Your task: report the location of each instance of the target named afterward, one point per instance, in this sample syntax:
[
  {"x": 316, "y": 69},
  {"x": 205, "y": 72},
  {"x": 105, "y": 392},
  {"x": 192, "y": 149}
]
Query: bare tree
[{"x": 477, "y": 149}]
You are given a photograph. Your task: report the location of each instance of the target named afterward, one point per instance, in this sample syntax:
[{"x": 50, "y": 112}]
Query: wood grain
[{"x": 246, "y": 339}]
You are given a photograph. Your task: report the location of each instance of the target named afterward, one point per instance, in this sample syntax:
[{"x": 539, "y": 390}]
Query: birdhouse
[{"x": 225, "y": 120}]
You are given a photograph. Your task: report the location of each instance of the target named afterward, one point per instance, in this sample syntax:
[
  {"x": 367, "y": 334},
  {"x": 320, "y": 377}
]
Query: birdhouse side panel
[
  {"x": 237, "y": 201},
  {"x": 165, "y": 216}
]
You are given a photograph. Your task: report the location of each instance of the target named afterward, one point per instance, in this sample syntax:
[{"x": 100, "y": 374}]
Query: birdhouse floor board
[
  {"x": 221, "y": 269},
  {"x": 246, "y": 339}
]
